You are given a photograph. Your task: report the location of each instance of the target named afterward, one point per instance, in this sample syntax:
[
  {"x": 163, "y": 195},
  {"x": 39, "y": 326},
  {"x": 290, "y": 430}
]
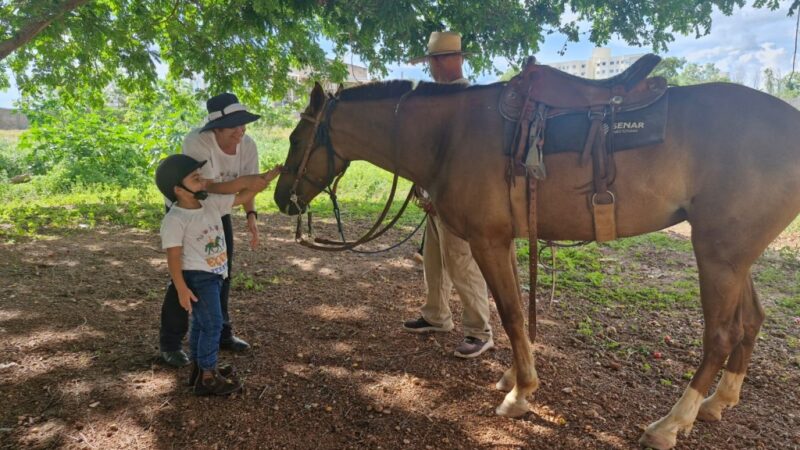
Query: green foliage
[
  {"x": 680, "y": 73},
  {"x": 12, "y": 161},
  {"x": 249, "y": 46},
  {"x": 786, "y": 87},
  {"x": 77, "y": 145}
]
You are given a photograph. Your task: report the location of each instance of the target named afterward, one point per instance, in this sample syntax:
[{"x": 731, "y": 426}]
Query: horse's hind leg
[
  {"x": 726, "y": 295},
  {"x": 729, "y": 386},
  {"x": 497, "y": 265}
]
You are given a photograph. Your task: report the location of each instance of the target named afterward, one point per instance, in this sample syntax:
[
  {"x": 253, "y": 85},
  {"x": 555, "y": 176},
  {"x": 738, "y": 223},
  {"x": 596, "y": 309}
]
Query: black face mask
[{"x": 199, "y": 195}]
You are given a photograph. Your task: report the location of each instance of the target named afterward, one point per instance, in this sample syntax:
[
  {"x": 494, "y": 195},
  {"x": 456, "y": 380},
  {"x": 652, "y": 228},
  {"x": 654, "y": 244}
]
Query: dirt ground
[{"x": 331, "y": 367}]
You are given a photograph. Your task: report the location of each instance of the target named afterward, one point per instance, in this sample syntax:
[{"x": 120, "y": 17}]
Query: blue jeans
[
  {"x": 175, "y": 320},
  {"x": 206, "y": 317}
]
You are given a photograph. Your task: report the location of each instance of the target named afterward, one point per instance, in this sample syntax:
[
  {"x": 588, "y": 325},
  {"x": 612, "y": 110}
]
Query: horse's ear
[
  {"x": 317, "y": 97},
  {"x": 339, "y": 90}
]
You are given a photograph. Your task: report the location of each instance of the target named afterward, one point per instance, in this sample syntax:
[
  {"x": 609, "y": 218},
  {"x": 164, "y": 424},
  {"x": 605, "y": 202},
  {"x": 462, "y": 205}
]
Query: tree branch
[{"x": 35, "y": 26}]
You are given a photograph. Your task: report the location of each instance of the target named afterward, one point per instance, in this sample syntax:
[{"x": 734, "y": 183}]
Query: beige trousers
[{"x": 448, "y": 262}]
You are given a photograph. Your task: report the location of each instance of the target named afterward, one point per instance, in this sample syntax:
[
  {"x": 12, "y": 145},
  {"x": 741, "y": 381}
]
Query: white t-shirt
[
  {"x": 199, "y": 232},
  {"x": 221, "y": 167}
]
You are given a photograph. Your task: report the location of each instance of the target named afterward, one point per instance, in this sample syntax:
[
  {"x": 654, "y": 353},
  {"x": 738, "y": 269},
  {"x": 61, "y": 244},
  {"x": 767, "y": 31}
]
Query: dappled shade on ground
[{"x": 332, "y": 368}]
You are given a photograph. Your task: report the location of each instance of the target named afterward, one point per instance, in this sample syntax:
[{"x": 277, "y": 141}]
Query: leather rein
[{"x": 321, "y": 133}]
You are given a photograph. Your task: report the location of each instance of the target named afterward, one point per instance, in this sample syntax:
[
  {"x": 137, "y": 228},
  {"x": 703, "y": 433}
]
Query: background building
[
  {"x": 355, "y": 75},
  {"x": 600, "y": 65},
  {"x": 11, "y": 119}
]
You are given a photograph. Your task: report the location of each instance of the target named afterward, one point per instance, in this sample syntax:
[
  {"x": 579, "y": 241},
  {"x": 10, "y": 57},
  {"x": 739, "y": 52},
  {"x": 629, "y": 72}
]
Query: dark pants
[{"x": 175, "y": 319}]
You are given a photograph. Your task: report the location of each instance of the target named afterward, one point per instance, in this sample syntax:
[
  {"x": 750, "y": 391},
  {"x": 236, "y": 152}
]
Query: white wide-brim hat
[{"x": 441, "y": 43}]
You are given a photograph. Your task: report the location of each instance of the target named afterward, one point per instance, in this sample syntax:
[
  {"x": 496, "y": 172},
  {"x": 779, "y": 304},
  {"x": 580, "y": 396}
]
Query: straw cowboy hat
[
  {"x": 225, "y": 111},
  {"x": 441, "y": 43}
]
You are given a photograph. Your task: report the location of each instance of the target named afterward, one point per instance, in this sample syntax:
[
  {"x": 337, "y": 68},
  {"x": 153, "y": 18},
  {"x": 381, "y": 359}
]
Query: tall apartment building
[{"x": 600, "y": 65}]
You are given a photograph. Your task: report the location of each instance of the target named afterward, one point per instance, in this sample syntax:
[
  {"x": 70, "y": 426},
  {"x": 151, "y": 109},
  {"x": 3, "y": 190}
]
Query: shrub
[
  {"x": 77, "y": 145},
  {"x": 12, "y": 161}
]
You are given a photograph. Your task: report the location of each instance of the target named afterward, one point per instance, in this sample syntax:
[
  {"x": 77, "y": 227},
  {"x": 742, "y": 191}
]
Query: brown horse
[{"x": 730, "y": 165}]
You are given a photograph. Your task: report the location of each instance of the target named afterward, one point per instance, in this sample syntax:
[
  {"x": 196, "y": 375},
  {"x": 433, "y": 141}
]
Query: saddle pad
[{"x": 632, "y": 129}]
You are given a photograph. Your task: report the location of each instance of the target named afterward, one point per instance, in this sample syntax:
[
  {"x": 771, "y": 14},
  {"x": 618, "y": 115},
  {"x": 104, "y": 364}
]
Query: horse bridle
[{"x": 321, "y": 133}]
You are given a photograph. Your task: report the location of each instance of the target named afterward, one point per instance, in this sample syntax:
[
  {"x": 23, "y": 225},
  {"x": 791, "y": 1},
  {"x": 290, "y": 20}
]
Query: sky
[{"x": 741, "y": 45}]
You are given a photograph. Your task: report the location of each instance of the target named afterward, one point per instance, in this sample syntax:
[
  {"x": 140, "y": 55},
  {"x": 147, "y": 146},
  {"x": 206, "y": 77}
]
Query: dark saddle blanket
[{"x": 631, "y": 129}]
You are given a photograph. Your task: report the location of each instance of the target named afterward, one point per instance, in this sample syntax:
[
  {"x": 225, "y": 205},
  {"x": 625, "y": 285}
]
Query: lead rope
[{"x": 554, "y": 246}]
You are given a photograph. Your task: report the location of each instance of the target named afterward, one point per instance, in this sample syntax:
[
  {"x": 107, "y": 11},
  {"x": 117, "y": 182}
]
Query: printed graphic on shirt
[
  {"x": 215, "y": 255},
  {"x": 214, "y": 246},
  {"x": 228, "y": 175}
]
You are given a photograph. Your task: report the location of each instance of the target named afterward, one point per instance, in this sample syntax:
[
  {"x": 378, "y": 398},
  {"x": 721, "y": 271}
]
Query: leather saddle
[
  {"x": 541, "y": 92},
  {"x": 563, "y": 92}
]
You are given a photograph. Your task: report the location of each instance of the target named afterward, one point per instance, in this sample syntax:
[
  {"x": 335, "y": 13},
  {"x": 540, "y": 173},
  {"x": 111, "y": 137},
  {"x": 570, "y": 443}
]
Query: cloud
[{"x": 744, "y": 43}]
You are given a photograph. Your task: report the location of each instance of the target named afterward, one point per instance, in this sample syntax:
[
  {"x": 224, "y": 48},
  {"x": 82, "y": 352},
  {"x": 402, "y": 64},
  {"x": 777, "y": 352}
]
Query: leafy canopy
[
  {"x": 680, "y": 73},
  {"x": 249, "y": 46}
]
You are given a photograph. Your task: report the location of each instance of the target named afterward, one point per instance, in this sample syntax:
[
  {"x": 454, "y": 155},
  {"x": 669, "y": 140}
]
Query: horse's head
[{"x": 312, "y": 164}]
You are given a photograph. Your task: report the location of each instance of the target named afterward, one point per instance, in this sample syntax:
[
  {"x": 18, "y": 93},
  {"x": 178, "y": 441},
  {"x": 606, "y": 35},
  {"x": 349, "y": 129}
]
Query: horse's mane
[
  {"x": 380, "y": 90},
  {"x": 377, "y": 90},
  {"x": 428, "y": 89}
]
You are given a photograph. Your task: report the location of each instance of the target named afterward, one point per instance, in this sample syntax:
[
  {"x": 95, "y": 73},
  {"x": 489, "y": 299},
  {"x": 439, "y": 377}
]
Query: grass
[
  {"x": 10, "y": 135},
  {"x": 31, "y": 217},
  {"x": 617, "y": 273}
]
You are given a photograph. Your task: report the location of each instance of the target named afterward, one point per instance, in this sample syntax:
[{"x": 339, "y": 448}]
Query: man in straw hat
[
  {"x": 230, "y": 154},
  {"x": 447, "y": 259}
]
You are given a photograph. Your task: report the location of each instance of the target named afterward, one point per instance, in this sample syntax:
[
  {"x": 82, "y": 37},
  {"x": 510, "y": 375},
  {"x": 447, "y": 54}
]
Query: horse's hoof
[
  {"x": 512, "y": 408},
  {"x": 709, "y": 412},
  {"x": 504, "y": 385},
  {"x": 656, "y": 440}
]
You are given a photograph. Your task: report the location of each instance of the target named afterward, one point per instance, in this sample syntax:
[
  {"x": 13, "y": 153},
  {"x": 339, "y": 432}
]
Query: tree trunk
[{"x": 35, "y": 26}]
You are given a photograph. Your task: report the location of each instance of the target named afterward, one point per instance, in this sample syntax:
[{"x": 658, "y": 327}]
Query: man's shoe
[
  {"x": 226, "y": 370},
  {"x": 423, "y": 326},
  {"x": 234, "y": 344},
  {"x": 472, "y": 347},
  {"x": 175, "y": 359},
  {"x": 216, "y": 385}
]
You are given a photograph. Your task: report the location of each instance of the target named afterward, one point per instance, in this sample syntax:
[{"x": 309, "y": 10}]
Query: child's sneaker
[
  {"x": 226, "y": 370},
  {"x": 216, "y": 385}
]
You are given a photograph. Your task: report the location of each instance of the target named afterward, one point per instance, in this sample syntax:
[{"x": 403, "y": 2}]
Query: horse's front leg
[{"x": 497, "y": 263}]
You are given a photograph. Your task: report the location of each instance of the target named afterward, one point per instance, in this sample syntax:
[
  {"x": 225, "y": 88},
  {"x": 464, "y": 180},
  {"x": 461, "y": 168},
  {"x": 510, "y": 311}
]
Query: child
[{"x": 193, "y": 237}]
